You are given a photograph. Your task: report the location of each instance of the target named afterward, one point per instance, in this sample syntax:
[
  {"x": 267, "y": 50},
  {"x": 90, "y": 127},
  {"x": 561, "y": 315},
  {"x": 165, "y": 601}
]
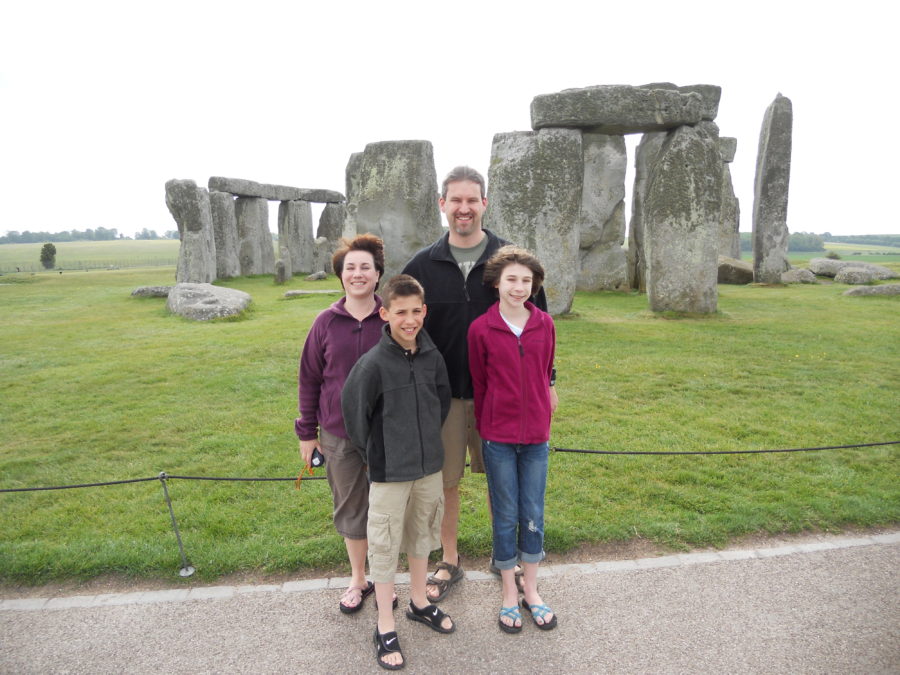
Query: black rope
[
  {"x": 588, "y": 452},
  {"x": 243, "y": 479},
  {"x": 721, "y": 452},
  {"x": 84, "y": 485}
]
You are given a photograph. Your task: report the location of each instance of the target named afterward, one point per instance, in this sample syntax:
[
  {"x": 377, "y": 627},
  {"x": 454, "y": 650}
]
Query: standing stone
[
  {"x": 730, "y": 225},
  {"x": 321, "y": 262},
  {"x": 295, "y": 233},
  {"x": 681, "y": 218},
  {"x": 256, "y": 252},
  {"x": 281, "y": 275},
  {"x": 602, "y": 219},
  {"x": 225, "y": 229},
  {"x": 351, "y": 180},
  {"x": 189, "y": 206},
  {"x": 287, "y": 266},
  {"x": 645, "y": 158},
  {"x": 394, "y": 196},
  {"x": 535, "y": 180},
  {"x": 770, "y": 193},
  {"x": 331, "y": 224}
]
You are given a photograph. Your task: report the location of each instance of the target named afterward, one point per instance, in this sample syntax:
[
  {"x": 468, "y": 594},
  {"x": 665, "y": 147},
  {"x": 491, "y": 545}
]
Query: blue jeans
[{"x": 517, "y": 479}]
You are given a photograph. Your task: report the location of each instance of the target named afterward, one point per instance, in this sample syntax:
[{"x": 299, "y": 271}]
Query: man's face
[
  {"x": 405, "y": 316},
  {"x": 463, "y": 207}
]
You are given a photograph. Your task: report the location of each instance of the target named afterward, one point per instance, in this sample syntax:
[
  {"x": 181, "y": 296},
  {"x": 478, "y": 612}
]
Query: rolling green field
[
  {"x": 78, "y": 255},
  {"x": 99, "y": 386}
]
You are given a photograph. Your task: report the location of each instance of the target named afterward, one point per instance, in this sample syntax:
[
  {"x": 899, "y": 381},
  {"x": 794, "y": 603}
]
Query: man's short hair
[
  {"x": 512, "y": 255},
  {"x": 363, "y": 242},
  {"x": 461, "y": 173},
  {"x": 401, "y": 286}
]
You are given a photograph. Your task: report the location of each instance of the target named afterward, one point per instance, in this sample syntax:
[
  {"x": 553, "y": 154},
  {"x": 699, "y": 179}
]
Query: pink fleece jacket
[{"x": 511, "y": 376}]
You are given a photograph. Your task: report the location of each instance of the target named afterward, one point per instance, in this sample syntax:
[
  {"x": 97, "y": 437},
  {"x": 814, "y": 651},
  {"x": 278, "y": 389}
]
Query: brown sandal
[{"x": 444, "y": 585}]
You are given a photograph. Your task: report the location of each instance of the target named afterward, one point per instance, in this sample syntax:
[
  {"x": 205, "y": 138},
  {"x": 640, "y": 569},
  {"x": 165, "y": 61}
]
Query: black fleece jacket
[{"x": 454, "y": 302}]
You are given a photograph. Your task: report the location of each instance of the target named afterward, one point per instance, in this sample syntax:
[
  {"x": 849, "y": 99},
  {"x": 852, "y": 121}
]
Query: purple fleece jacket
[
  {"x": 511, "y": 376},
  {"x": 335, "y": 342}
]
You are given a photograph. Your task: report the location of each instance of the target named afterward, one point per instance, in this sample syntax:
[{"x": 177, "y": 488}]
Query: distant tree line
[
  {"x": 98, "y": 234},
  {"x": 870, "y": 239},
  {"x": 797, "y": 241}
]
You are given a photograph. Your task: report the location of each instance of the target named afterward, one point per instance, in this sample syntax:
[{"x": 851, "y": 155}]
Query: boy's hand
[
  {"x": 554, "y": 400},
  {"x": 307, "y": 448}
]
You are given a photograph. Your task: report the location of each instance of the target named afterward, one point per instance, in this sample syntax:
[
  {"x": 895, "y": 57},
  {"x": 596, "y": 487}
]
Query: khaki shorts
[
  {"x": 346, "y": 473},
  {"x": 458, "y": 434},
  {"x": 403, "y": 516}
]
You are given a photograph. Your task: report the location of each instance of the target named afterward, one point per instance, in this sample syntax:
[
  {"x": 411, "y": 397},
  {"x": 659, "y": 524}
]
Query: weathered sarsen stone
[
  {"x": 882, "y": 289},
  {"x": 645, "y": 158},
  {"x": 734, "y": 271},
  {"x": 616, "y": 109},
  {"x": 202, "y": 302},
  {"x": 221, "y": 206},
  {"x": 855, "y": 276},
  {"x": 681, "y": 217},
  {"x": 710, "y": 94},
  {"x": 151, "y": 292},
  {"x": 394, "y": 196},
  {"x": 256, "y": 250},
  {"x": 535, "y": 180},
  {"x": 602, "y": 219},
  {"x": 331, "y": 224},
  {"x": 276, "y": 193},
  {"x": 730, "y": 224},
  {"x": 295, "y": 233},
  {"x": 189, "y": 206},
  {"x": 770, "y": 193},
  {"x": 826, "y": 267}
]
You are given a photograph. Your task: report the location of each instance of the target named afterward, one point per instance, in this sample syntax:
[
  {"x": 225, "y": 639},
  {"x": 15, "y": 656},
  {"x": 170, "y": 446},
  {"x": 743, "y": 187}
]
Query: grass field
[
  {"x": 80, "y": 255},
  {"x": 880, "y": 255},
  {"x": 99, "y": 386}
]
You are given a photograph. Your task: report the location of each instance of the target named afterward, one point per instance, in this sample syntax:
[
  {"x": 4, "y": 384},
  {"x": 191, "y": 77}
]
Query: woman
[
  {"x": 511, "y": 349},
  {"x": 338, "y": 337}
]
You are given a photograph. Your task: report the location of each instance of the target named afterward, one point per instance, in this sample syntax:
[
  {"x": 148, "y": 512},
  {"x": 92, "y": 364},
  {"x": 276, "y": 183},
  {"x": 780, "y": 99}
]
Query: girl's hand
[{"x": 554, "y": 400}]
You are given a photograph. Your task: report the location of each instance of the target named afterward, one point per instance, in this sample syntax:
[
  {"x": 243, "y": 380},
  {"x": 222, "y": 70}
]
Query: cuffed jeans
[{"x": 517, "y": 479}]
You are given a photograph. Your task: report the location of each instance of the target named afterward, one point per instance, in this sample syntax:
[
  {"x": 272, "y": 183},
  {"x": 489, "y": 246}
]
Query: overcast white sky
[{"x": 103, "y": 102}]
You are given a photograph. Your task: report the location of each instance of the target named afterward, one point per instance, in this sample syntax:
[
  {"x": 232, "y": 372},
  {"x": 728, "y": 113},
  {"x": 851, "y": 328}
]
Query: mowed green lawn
[{"x": 98, "y": 386}]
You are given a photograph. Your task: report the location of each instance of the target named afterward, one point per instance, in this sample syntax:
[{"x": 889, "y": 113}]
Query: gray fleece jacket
[{"x": 394, "y": 403}]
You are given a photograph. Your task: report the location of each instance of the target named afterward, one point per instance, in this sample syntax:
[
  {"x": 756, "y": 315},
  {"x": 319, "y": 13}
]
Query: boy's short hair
[
  {"x": 363, "y": 242},
  {"x": 401, "y": 286},
  {"x": 461, "y": 173},
  {"x": 512, "y": 255}
]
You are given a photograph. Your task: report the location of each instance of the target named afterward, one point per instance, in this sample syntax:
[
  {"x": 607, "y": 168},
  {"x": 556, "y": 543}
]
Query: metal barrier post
[{"x": 186, "y": 569}]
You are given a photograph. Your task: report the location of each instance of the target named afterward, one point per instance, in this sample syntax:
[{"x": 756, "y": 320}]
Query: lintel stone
[
  {"x": 617, "y": 109},
  {"x": 280, "y": 193}
]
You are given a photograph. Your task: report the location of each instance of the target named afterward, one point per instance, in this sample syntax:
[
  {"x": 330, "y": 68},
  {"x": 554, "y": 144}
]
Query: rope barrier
[
  {"x": 187, "y": 570},
  {"x": 555, "y": 449},
  {"x": 84, "y": 485},
  {"x": 721, "y": 452}
]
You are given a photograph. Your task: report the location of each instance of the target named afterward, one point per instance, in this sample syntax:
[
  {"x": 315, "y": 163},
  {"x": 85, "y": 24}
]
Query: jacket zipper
[{"x": 412, "y": 379}]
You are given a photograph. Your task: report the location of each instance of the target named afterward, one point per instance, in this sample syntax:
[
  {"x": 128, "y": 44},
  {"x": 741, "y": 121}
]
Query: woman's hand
[{"x": 307, "y": 448}]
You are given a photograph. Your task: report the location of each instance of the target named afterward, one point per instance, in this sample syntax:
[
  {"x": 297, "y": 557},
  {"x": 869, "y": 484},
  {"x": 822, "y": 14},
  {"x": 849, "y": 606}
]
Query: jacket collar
[
  {"x": 495, "y": 319},
  {"x": 441, "y": 248}
]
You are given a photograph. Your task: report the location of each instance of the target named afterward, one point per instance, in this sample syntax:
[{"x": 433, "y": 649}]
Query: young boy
[{"x": 394, "y": 403}]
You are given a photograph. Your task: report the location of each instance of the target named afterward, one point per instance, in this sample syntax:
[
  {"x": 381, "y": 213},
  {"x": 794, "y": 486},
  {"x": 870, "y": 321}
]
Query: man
[{"x": 451, "y": 270}]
